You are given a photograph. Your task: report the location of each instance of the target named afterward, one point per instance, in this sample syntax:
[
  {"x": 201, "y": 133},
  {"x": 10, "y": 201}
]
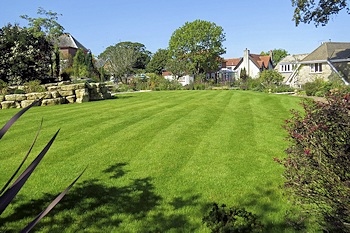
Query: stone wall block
[
  {"x": 8, "y": 104},
  {"x": 71, "y": 99},
  {"x": 53, "y": 88},
  {"x": 55, "y": 94},
  {"x": 66, "y": 93},
  {"x": 73, "y": 87},
  {"x": 39, "y": 95},
  {"x": 15, "y": 97},
  {"x": 2, "y": 98},
  {"x": 51, "y": 102},
  {"x": 26, "y": 103}
]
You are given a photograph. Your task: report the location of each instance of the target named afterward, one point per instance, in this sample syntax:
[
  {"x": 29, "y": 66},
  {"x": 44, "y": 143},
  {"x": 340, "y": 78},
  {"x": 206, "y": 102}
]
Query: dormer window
[
  {"x": 286, "y": 68},
  {"x": 316, "y": 68}
]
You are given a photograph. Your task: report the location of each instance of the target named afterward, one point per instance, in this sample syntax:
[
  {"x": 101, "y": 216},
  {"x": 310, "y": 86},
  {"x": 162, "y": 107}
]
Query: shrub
[
  {"x": 317, "y": 166},
  {"x": 3, "y": 87},
  {"x": 19, "y": 91},
  {"x": 232, "y": 220},
  {"x": 33, "y": 86}
]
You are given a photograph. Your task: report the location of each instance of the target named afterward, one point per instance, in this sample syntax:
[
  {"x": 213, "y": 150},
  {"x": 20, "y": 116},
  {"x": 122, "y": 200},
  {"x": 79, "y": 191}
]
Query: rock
[
  {"x": 82, "y": 95},
  {"x": 73, "y": 87},
  {"x": 15, "y": 97},
  {"x": 71, "y": 99},
  {"x": 55, "y": 94},
  {"x": 51, "y": 102},
  {"x": 2, "y": 98},
  {"x": 38, "y": 95},
  {"x": 26, "y": 103},
  {"x": 63, "y": 83},
  {"x": 8, "y": 104},
  {"x": 66, "y": 93},
  {"x": 53, "y": 88}
]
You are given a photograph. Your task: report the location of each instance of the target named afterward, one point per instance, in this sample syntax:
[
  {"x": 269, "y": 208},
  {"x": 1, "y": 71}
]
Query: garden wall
[{"x": 57, "y": 93}]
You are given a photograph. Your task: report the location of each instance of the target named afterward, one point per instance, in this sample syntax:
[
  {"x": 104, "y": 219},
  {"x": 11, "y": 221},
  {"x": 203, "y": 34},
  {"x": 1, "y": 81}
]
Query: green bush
[
  {"x": 232, "y": 220},
  {"x": 19, "y": 91},
  {"x": 3, "y": 87},
  {"x": 33, "y": 86},
  {"x": 317, "y": 166}
]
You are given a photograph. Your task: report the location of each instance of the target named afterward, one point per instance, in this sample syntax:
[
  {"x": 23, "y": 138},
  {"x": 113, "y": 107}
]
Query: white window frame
[
  {"x": 316, "y": 68},
  {"x": 286, "y": 68}
]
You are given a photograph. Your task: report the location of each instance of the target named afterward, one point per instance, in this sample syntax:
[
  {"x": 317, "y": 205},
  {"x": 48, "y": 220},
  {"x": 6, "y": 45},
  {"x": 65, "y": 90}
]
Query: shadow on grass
[
  {"x": 265, "y": 200},
  {"x": 95, "y": 206}
]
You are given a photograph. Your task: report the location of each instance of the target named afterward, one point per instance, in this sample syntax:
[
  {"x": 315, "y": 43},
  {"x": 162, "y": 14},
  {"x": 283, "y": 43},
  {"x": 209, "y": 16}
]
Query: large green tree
[
  {"x": 119, "y": 61},
  {"x": 199, "y": 43},
  {"x": 23, "y": 55},
  {"x": 158, "y": 61},
  {"x": 143, "y": 56},
  {"x": 277, "y": 55},
  {"x": 49, "y": 27},
  {"x": 319, "y": 12}
]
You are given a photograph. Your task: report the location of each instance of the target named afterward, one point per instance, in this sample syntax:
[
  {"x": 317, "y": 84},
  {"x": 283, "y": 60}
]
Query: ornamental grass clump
[{"x": 7, "y": 192}]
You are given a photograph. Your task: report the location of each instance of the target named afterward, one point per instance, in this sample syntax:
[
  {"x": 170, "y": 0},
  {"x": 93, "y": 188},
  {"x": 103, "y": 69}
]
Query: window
[
  {"x": 316, "y": 68},
  {"x": 286, "y": 68}
]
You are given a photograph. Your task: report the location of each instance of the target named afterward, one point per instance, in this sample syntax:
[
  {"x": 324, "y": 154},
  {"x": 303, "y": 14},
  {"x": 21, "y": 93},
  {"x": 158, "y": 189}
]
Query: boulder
[
  {"x": 66, "y": 93},
  {"x": 53, "y": 88},
  {"x": 15, "y": 97},
  {"x": 8, "y": 104},
  {"x": 51, "y": 102},
  {"x": 26, "y": 103},
  {"x": 39, "y": 95},
  {"x": 73, "y": 87},
  {"x": 63, "y": 83},
  {"x": 71, "y": 99},
  {"x": 55, "y": 94},
  {"x": 82, "y": 95}
]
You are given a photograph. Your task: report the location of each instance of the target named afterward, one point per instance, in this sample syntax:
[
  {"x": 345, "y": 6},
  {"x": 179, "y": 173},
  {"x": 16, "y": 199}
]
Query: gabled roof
[
  {"x": 66, "y": 40},
  {"x": 232, "y": 61},
  {"x": 330, "y": 50},
  {"x": 295, "y": 58},
  {"x": 261, "y": 61}
]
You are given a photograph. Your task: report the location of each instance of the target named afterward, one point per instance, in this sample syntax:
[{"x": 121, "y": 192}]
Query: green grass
[{"x": 156, "y": 161}]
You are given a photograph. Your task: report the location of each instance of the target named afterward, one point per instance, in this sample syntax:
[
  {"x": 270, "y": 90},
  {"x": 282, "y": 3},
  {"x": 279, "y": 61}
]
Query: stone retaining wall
[{"x": 57, "y": 93}]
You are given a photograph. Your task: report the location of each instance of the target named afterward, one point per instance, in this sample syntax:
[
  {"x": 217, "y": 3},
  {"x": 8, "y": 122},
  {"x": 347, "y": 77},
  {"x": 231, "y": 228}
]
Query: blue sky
[{"x": 253, "y": 24}]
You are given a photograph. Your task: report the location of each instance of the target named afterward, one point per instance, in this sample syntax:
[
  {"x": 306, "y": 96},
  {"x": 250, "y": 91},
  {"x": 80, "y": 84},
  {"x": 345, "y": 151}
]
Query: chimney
[{"x": 246, "y": 60}]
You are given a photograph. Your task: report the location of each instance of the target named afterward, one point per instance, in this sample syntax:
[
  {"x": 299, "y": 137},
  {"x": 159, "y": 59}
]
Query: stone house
[
  {"x": 287, "y": 65},
  {"x": 330, "y": 59}
]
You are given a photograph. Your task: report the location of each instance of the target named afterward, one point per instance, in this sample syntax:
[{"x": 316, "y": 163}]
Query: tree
[
  {"x": 158, "y": 61},
  {"x": 143, "y": 56},
  {"x": 177, "y": 67},
  {"x": 49, "y": 27},
  {"x": 79, "y": 64},
  {"x": 319, "y": 12},
  {"x": 243, "y": 75},
  {"x": 270, "y": 77},
  {"x": 199, "y": 44},
  {"x": 277, "y": 55},
  {"x": 23, "y": 55},
  {"x": 119, "y": 60},
  {"x": 317, "y": 166}
]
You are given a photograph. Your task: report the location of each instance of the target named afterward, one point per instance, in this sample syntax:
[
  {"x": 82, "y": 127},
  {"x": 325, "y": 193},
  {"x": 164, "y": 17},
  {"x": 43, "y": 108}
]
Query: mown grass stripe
[{"x": 156, "y": 160}]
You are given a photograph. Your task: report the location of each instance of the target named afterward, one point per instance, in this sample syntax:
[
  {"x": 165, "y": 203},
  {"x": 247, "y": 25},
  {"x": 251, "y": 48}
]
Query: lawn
[{"x": 156, "y": 161}]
